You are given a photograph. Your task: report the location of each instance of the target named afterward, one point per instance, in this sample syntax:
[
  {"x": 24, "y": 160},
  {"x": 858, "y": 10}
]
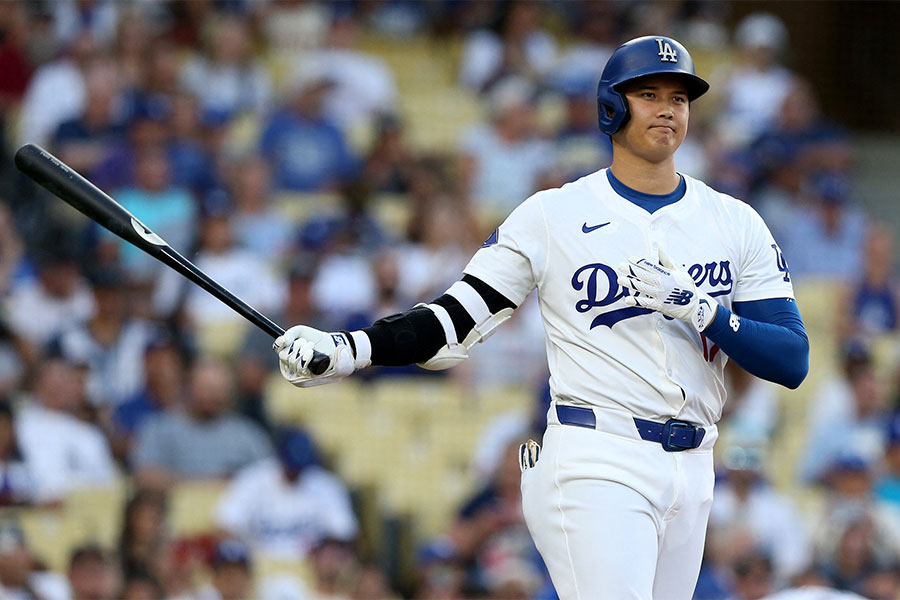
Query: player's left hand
[{"x": 666, "y": 288}]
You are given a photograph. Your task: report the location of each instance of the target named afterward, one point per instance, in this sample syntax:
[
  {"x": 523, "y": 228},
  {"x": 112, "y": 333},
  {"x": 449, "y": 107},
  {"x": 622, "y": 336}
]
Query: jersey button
[
  {"x": 653, "y": 227},
  {"x": 669, "y": 372},
  {"x": 659, "y": 324},
  {"x": 654, "y": 245}
]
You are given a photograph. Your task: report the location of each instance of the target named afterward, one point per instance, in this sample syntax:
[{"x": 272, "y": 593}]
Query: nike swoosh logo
[{"x": 587, "y": 229}]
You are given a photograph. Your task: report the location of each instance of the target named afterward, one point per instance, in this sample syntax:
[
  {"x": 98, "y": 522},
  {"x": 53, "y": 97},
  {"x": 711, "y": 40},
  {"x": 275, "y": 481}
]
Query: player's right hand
[{"x": 295, "y": 350}]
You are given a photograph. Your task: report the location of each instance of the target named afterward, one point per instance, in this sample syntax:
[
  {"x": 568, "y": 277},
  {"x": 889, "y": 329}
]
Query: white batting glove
[
  {"x": 667, "y": 289},
  {"x": 298, "y": 345}
]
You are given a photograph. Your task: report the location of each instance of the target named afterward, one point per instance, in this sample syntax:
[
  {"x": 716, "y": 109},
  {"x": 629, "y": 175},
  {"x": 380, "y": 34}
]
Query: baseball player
[{"x": 648, "y": 282}]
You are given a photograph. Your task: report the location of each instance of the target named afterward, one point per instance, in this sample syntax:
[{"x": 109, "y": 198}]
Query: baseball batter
[{"x": 648, "y": 282}]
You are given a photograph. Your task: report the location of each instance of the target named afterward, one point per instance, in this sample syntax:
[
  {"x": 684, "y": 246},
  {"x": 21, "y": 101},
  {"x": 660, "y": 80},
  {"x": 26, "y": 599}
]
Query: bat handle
[{"x": 319, "y": 363}]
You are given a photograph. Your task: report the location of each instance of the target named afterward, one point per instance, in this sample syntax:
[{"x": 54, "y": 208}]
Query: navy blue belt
[{"x": 673, "y": 435}]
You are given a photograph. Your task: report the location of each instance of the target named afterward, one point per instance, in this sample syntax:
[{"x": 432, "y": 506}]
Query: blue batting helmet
[{"x": 648, "y": 55}]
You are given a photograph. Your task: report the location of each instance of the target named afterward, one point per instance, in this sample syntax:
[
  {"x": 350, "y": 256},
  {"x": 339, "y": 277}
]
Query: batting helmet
[{"x": 648, "y": 55}]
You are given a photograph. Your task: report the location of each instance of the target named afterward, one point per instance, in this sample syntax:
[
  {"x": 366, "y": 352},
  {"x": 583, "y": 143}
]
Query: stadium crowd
[{"x": 260, "y": 138}]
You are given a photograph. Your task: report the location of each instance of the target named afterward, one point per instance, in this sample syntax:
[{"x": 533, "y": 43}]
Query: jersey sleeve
[
  {"x": 764, "y": 272},
  {"x": 512, "y": 260}
]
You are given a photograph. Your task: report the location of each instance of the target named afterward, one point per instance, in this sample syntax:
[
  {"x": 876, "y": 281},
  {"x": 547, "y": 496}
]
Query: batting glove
[
  {"x": 667, "y": 289},
  {"x": 298, "y": 345}
]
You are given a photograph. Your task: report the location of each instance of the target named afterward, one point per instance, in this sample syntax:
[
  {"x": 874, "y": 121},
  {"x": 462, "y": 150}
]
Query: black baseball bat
[{"x": 62, "y": 181}]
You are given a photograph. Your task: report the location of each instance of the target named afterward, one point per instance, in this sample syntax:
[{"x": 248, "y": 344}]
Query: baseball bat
[{"x": 62, "y": 181}]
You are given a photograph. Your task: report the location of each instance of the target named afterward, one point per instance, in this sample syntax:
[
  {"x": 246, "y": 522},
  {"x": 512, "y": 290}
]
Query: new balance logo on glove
[{"x": 679, "y": 297}]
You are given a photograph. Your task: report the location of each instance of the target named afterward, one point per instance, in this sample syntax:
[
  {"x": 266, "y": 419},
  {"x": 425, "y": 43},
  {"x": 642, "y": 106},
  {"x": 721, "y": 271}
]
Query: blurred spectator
[
  {"x": 753, "y": 577},
  {"x": 827, "y": 236},
  {"x": 162, "y": 390},
  {"x": 887, "y": 488},
  {"x": 15, "y": 63},
  {"x": 489, "y": 536},
  {"x": 257, "y": 225},
  {"x": 85, "y": 141},
  {"x": 800, "y": 130},
  {"x": 144, "y": 544},
  {"x": 247, "y": 275},
  {"x": 429, "y": 266},
  {"x": 95, "y": 18},
  {"x": 231, "y": 573},
  {"x": 17, "y": 485},
  {"x": 596, "y": 26},
  {"x": 21, "y": 576},
  {"x": 93, "y": 574},
  {"x": 858, "y": 550},
  {"x": 847, "y": 413},
  {"x": 753, "y": 91},
  {"x": 56, "y": 93},
  {"x": 391, "y": 163},
  {"x": 580, "y": 145},
  {"x": 167, "y": 210},
  {"x": 752, "y": 408},
  {"x": 63, "y": 452},
  {"x": 306, "y": 150},
  {"x": 746, "y": 507},
  {"x": 204, "y": 441},
  {"x": 334, "y": 564},
  {"x": 41, "y": 308},
  {"x": 285, "y": 507},
  {"x": 362, "y": 84},
  {"x": 227, "y": 79},
  {"x": 514, "y": 45},
  {"x": 110, "y": 342},
  {"x": 870, "y": 303},
  {"x": 192, "y": 165},
  {"x": 12, "y": 250},
  {"x": 504, "y": 159},
  {"x": 141, "y": 586},
  {"x": 371, "y": 584}
]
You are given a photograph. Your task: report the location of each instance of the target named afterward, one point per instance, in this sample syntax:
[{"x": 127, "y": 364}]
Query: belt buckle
[{"x": 669, "y": 428}]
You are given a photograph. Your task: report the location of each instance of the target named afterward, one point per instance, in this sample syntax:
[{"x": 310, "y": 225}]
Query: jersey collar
[{"x": 649, "y": 202}]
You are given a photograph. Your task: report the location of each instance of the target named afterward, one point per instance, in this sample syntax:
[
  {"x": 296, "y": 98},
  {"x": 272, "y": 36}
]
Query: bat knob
[{"x": 319, "y": 363}]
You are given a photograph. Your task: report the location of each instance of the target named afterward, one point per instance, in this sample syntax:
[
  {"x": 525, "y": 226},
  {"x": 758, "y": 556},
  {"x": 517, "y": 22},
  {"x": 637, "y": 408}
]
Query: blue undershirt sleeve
[{"x": 766, "y": 338}]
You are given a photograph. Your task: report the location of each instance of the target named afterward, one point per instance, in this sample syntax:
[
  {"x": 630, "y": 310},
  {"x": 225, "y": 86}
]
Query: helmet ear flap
[{"x": 612, "y": 112}]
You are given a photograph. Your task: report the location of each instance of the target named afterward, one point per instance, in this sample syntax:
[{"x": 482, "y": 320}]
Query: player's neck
[{"x": 644, "y": 176}]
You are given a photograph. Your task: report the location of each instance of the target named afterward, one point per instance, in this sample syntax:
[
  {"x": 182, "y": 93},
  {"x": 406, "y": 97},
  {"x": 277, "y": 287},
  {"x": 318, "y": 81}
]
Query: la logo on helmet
[{"x": 666, "y": 53}]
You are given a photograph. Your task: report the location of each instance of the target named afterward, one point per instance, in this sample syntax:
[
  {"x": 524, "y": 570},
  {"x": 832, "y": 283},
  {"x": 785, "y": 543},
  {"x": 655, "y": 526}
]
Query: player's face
[{"x": 659, "y": 110}]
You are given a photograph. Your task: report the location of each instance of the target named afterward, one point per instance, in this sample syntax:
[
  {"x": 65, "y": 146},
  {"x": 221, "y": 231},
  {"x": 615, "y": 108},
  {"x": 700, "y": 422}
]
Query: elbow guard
[{"x": 486, "y": 323}]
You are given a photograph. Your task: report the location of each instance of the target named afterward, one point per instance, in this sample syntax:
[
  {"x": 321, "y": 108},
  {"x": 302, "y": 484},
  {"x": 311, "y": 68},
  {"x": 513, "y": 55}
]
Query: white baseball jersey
[{"x": 568, "y": 243}]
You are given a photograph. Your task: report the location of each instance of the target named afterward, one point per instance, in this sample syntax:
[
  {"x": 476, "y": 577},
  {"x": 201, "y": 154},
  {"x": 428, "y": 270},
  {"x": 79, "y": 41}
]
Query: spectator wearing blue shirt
[
  {"x": 887, "y": 488},
  {"x": 307, "y": 152}
]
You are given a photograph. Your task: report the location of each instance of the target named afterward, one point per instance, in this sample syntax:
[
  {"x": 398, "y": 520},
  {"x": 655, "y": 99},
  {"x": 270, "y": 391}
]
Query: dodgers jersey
[{"x": 568, "y": 242}]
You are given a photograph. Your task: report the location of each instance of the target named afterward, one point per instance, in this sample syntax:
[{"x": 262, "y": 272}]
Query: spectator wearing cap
[
  {"x": 93, "y": 574},
  {"x": 827, "y": 235},
  {"x": 205, "y": 440},
  {"x": 504, "y": 159},
  {"x": 111, "y": 342},
  {"x": 307, "y": 151},
  {"x": 887, "y": 487},
  {"x": 747, "y": 512},
  {"x": 232, "y": 572},
  {"x": 580, "y": 145},
  {"x": 284, "y": 506},
  {"x": 38, "y": 309},
  {"x": 846, "y": 412},
  {"x": 63, "y": 452}
]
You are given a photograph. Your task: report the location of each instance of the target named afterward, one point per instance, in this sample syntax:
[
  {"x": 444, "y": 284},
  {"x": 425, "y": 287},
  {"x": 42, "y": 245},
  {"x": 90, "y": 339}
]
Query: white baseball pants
[{"x": 616, "y": 517}]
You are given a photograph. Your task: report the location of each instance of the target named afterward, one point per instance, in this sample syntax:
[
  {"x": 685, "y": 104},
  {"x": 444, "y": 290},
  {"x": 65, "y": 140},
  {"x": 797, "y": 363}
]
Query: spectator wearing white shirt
[
  {"x": 62, "y": 452},
  {"x": 40, "y": 308},
  {"x": 284, "y": 507}
]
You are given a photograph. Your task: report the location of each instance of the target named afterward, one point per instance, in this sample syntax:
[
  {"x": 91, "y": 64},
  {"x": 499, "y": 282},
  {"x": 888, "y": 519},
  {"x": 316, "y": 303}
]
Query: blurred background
[{"x": 334, "y": 162}]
